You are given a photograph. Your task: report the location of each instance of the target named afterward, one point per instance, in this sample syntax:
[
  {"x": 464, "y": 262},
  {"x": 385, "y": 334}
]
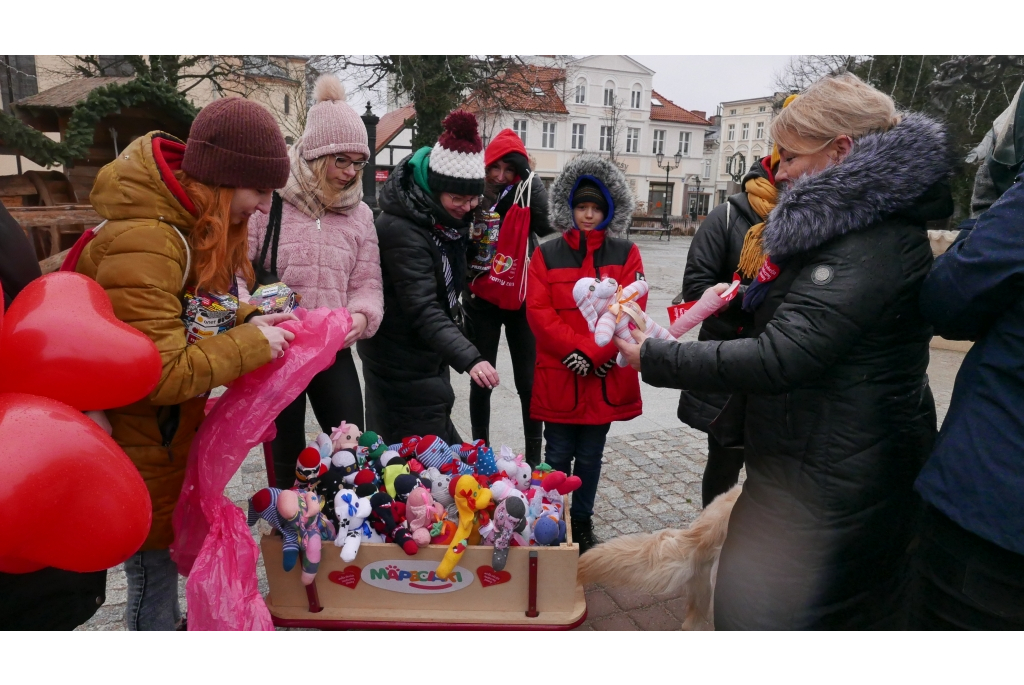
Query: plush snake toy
[{"x": 609, "y": 308}]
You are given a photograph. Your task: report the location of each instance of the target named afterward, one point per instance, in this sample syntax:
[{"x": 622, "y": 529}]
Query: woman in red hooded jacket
[{"x": 578, "y": 389}]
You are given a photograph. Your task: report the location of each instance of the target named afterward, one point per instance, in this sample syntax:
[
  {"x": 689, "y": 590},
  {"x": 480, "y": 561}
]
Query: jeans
[
  {"x": 722, "y": 471},
  {"x": 577, "y": 450},
  {"x": 152, "y": 591},
  {"x": 483, "y": 323},
  {"x": 335, "y": 396},
  {"x": 963, "y": 581}
]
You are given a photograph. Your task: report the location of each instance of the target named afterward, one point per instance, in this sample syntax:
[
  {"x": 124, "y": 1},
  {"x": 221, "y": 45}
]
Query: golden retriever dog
[{"x": 670, "y": 561}]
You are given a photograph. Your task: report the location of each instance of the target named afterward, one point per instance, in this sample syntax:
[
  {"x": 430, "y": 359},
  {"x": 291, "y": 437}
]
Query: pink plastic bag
[{"x": 212, "y": 543}]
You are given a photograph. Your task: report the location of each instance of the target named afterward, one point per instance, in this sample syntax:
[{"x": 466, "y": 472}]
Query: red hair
[{"x": 220, "y": 248}]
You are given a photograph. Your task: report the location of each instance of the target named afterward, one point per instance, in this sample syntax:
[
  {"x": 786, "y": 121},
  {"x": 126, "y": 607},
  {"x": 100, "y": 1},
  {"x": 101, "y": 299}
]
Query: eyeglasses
[
  {"x": 345, "y": 163},
  {"x": 471, "y": 201}
]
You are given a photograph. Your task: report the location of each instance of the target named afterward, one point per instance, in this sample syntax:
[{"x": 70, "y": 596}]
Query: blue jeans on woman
[
  {"x": 152, "y": 591},
  {"x": 577, "y": 450}
]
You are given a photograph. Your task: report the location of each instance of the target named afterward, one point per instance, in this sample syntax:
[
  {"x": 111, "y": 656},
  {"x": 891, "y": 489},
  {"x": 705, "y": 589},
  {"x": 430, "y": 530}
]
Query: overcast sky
[
  {"x": 690, "y": 81},
  {"x": 703, "y": 81}
]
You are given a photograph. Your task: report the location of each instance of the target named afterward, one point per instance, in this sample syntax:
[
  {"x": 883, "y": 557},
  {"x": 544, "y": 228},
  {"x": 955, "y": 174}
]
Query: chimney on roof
[{"x": 701, "y": 113}]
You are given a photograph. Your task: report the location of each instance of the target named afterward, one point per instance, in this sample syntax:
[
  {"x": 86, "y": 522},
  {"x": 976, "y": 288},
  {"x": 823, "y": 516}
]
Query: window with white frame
[
  {"x": 581, "y": 93},
  {"x": 732, "y": 132},
  {"x": 579, "y": 132},
  {"x": 547, "y": 135},
  {"x": 759, "y": 133},
  {"x": 732, "y": 111},
  {"x": 707, "y": 168},
  {"x": 761, "y": 108},
  {"x": 607, "y": 139},
  {"x": 635, "y": 97},
  {"x": 659, "y": 142},
  {"x": 745, "y": 135},
  {"x": 632, "y": 140},
  {"x": 609, "y": 94},
  {"x": 519, "y": 126},
  {"x": 684, "y": 143}
]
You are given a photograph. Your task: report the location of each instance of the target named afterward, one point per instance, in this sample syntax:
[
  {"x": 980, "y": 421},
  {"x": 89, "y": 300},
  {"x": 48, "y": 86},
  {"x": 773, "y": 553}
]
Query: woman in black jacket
[
  {"x": 507, "y": 166},
  {"x": 839, "y": 416},
  {"x": 422, "y": 229}
]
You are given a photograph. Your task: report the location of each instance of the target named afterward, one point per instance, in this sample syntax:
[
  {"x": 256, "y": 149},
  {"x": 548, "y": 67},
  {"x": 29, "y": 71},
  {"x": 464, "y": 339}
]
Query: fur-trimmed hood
[
  {"x": 612, "y": 183},
  {"x": 884, "y": 173}
]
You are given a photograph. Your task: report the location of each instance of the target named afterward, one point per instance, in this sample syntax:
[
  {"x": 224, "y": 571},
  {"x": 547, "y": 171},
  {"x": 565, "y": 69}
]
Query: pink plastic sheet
[{"x": 212, "y": 544}]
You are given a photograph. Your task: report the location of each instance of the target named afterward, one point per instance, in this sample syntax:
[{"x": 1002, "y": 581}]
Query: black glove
[
  {"x": 603, "y": 370},
  {"x": 578, "y": 363}
]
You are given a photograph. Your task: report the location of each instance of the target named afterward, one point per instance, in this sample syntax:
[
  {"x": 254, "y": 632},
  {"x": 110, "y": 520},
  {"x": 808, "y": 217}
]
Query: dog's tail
[{"x": 666, "y": 561}]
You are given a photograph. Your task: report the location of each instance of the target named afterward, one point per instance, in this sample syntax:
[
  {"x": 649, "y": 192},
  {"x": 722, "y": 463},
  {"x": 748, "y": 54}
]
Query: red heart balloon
[
  {"x": 349, "y": 577},
  {"x": 69, "y": 496},
  {"x": 60, "y": 339}
]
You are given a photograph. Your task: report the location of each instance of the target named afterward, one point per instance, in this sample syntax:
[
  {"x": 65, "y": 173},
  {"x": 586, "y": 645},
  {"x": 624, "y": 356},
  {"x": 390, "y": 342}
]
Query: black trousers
[
  {"x": 335, "y": 396},
  {"x": 963, "y": 581},
  {"x": 397, "y": 408},
  {"x": 722, "y": 471},
  {"x": 483, "y": 324},
  {"x": 50, "y": 599}
]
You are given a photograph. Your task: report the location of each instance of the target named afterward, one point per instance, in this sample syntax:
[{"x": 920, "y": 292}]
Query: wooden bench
[
  {"x": 651, "y": 224},
  {"x": 43, "y": 190}
]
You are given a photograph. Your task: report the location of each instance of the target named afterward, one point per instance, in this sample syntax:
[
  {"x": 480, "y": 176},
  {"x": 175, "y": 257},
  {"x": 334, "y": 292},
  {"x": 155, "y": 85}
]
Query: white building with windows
[
  {"x": 743, "y": 141},
  {"x": 607, "y": 104}
]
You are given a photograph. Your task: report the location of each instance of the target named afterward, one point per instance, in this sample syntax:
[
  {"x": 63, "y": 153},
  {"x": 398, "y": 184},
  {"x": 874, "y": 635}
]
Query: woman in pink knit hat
[{"x": 328, "y": 254}]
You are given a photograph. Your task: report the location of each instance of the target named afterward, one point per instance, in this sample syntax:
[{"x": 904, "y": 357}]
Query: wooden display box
[{"x": 385, "y": 588}]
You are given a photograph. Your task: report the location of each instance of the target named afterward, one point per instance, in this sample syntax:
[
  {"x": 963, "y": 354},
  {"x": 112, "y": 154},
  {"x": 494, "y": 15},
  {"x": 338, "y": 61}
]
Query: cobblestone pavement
[{"x": 650, "y": 478}]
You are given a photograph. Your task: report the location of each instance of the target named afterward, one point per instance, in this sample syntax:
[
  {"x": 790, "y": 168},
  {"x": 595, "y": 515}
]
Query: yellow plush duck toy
[{"x": 469, "y": 498}]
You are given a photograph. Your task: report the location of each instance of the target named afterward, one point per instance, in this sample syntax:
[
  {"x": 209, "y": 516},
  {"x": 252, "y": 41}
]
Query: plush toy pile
[{"x": 353, "y": 487}]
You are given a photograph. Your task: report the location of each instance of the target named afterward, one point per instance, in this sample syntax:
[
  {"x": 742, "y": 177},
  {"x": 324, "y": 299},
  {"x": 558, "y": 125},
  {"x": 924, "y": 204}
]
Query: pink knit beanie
[{"x": 331, "y": 125}]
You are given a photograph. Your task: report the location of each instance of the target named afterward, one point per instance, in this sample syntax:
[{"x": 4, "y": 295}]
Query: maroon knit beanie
[{"x": 236, "y": 143}]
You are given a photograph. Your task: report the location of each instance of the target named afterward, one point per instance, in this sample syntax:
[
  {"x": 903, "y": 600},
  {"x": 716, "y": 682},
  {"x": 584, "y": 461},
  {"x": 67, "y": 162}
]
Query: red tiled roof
[
  {"x": 670, "y": 111},
  {"x": 529, "y": 88},
  {"x": 393, "y": 123}
]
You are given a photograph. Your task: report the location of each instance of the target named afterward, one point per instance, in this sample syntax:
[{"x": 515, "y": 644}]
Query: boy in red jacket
[{"x": 578, "y": 390}]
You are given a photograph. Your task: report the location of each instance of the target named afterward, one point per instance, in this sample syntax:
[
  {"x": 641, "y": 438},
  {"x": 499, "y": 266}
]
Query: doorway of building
[{"x": 658, "y": 197}]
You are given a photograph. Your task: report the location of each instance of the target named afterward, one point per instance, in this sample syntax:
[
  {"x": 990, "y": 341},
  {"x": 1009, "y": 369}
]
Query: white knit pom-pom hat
[
  {"x": 457, "y": 159},
  {"x": 332, "y": 126}
]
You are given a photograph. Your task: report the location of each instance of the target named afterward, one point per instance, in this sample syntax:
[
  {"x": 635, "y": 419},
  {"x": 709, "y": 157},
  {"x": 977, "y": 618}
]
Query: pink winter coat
[{"x": 333, "y": 264}]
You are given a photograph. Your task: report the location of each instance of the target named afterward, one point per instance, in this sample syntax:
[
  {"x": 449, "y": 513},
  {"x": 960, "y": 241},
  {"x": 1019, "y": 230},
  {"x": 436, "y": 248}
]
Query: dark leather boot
[{"x": 583, "y": 532}]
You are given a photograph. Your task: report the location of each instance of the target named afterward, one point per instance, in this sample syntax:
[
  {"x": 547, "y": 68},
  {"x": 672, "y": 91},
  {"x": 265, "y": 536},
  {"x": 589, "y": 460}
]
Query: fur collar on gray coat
[
  {"x": 604, "y": 172},
  {"x": 883, "y": 174}
]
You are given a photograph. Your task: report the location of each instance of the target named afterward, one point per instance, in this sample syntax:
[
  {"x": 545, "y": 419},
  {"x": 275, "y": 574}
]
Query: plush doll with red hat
[
  {"x": 309, "y": 468},
  {"x": 383, "y": 521}
]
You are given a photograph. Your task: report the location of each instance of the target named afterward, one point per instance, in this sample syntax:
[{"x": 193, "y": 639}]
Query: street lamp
[
  {"x": 735, "y": 166},
  {"x": 667, "y": 166},
  {"x": 693, "y": 209}
]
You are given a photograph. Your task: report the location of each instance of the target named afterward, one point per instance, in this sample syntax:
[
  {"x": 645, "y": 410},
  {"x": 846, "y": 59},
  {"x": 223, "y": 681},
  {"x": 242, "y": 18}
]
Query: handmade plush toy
[
  {"x": 404, "y": 484},
  {"x": 546, "y": 513},
  {"x": 383, "y": 521},
  {"x": 509, "y": 518},
  {"x": 469, "y": 498},
  {"x": 345, "y": 437},
  {"x": 393, "y": 466},
  {"x": 366, "y": 482},
  {"x": 352, "y": 513},
  {"x": 714, "y": 299},
  {"x": 609, "y": 310},
  {"x": 296, "y": 514},
  {"x": 341, "y": 472},
  {"x": 486, "y": 464},
  {"x": 432, "y": 451},
  {"x": 439, "y": 490},
  {"x": 421, "y": 513},
  {"x": 372, "y": 445},
  {"x": 309, "y": 468},
  {"x": 514, "y": 467}
]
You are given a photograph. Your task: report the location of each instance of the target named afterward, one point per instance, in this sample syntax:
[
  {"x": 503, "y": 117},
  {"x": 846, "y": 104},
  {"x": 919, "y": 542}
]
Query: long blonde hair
[{"x": 833, "y": 106}]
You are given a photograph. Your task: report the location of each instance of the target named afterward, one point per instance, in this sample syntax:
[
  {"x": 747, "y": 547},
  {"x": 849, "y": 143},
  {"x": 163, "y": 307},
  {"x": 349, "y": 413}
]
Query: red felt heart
[
  {"x": 60, "y": 339},
  {"x": 349, "y": 577},
  {"x": 69, "y": 496},
  {"x": 488, "y": 576}
]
